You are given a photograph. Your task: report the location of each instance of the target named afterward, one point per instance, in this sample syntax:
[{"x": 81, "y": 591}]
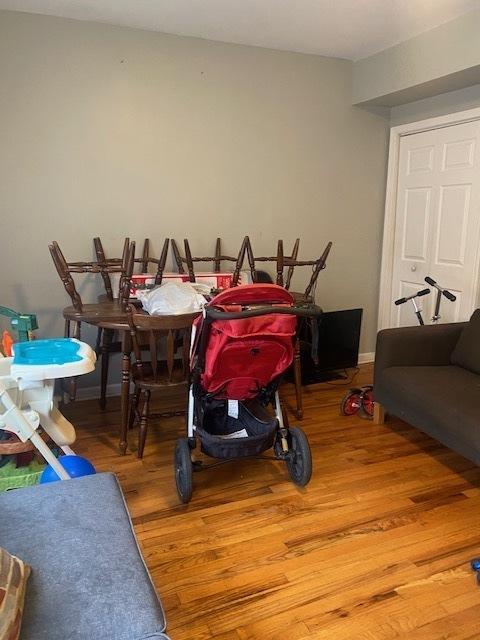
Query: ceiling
[{"x": 350, "y": 29}]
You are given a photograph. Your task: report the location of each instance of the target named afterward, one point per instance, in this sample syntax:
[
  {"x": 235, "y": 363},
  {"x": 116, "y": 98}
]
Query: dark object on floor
[
  {"x": 429, "y": 377},
  {"x": 78, "y": 539},
  {"x": 475, "y": 564},
  {"x": 330, "y": 346}
]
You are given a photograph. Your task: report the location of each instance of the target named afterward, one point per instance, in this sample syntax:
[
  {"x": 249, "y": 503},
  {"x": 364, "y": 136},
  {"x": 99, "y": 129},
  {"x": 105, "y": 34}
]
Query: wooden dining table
[{"x": 109, "y": 314}]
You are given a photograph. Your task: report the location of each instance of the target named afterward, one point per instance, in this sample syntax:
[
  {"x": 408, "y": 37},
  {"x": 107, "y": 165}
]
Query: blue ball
[{"x": 75, "y": 466}]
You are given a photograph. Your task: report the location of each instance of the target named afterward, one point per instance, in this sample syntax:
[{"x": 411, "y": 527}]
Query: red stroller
[{"x": 243, "y": 343}]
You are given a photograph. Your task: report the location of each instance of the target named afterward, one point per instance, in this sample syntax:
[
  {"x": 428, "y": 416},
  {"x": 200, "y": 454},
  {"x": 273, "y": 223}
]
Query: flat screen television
[{"x": 337, "y": 348}]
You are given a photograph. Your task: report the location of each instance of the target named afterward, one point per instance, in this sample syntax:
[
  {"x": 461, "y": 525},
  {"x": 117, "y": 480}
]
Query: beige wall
[
  {"x": 443, "y": 59},
  {"x": 115, "y": 132}
]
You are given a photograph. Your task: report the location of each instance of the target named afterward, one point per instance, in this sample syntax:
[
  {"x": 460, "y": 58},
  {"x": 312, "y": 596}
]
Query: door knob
[{"x": 414, "y": 267}]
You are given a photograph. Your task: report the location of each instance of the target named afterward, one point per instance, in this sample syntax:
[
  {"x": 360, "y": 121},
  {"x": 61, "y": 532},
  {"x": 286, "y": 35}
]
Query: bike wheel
[
  {"x": 368, "y": 402},
  {"x": 351, "y": 402}
]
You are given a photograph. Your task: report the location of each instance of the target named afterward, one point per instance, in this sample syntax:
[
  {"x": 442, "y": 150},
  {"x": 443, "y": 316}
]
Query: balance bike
[{"x": 358, "y": 400}]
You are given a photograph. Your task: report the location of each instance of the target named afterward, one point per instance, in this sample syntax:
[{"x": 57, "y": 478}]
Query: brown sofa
[{"x": 430, "y": 377}]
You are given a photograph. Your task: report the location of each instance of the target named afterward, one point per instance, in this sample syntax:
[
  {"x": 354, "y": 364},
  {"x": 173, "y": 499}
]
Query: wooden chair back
[
  {"x": 159, "y": 262},
  {"x": 279, "y": 261},
  {"x": 216, "y": 259},
  {"x": 165, "y": 335},
  {"x": 65, "y": 270},
  {"x": 128, "y": 262},
  {"x": 290, "y": 262},
  {"x": 144, "y": 261}
]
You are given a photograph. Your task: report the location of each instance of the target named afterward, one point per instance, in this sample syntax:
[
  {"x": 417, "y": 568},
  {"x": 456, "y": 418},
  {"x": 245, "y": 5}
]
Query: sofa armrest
[{"x": 430, "y": 345}]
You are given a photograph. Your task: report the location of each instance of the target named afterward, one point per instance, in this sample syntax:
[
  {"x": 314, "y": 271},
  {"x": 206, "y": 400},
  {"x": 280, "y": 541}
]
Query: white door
[{"x": 437, "y": 221}]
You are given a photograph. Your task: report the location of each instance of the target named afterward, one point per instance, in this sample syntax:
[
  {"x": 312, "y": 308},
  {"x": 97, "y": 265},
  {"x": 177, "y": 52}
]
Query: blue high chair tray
[
  {"x": 51, "y": 358},
  {"x": 44, "y": 352}
]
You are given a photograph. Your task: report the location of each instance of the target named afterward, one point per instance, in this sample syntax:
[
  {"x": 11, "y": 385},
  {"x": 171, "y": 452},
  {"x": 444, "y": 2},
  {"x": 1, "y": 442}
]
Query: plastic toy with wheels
[
  {"x": 27, "y": 394},
  {"x": 358, "y": 400}
]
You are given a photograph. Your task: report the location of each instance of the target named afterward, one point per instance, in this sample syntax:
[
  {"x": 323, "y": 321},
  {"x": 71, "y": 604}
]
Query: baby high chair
[{"x": 27, "y": 392}]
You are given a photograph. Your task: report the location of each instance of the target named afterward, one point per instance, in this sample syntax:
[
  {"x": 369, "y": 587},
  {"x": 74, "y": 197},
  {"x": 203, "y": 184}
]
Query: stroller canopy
[{"x": 243, "y": 356}]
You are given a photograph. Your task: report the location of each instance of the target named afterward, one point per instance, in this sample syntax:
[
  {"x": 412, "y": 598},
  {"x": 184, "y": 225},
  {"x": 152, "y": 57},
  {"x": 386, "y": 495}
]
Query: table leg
[
  {"x": 107, "y": 335},
  {"x": 125, "y": 391}
]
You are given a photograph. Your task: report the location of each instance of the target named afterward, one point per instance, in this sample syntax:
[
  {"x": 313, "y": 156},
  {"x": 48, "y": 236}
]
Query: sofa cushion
[
  {"x": 467, "y": 350},
  {"x": 442, "y": 401},
  {"x": 13, "y": 582},
  {"x": 88, "y": 576}
]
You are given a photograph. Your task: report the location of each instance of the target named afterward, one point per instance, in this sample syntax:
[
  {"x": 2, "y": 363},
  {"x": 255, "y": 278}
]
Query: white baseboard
[
  {"x": 93, "y": 393},
  {"x": 366, "y": 358}
]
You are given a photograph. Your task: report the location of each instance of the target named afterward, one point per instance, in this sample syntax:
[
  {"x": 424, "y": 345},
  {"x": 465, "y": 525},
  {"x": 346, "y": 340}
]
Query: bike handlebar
[
  {"x": 423, "y": 292},
  {"x": 448, "y": 294}
]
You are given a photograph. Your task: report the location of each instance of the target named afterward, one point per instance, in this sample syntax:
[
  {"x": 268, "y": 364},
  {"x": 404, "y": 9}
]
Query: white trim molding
[
  {"x": 366, "y": 358},
  {"x": 396, "y": 133}
]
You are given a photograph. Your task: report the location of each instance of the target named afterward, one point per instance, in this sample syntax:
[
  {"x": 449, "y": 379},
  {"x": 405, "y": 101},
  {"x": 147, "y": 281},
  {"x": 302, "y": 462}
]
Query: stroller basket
[{"x": 249, "y": 433}]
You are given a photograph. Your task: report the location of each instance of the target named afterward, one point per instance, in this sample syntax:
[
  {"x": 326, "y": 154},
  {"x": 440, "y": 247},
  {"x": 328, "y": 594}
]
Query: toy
[
  {"x": 76, "y": 466},
  {"x": 358, "y": 400},
  {"x": 26, "y": 393},
  {"x": 23, "y": 323},
  {"x": 475, "y": 565},
  {"x": 7, "y": 344}
]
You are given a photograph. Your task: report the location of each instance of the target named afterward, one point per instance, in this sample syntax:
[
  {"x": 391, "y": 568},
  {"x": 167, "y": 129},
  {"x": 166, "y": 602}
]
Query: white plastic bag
[{"x": 171, "y": 298}]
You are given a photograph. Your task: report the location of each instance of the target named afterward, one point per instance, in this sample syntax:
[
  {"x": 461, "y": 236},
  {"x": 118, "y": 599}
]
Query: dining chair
[
  {"x": 108, "y": 341},
  {"x": 278, "y": 260},
  {"x": 144, "y": 261},
  {"x": 216, "y": 259},
  {"x": 290, "y": 263},
  {"x": 105, "y": 343},
  {"x": 168, "y": 338}
]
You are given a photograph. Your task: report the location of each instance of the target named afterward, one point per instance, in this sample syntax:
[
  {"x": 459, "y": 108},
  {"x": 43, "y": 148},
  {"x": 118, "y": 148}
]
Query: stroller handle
[{"x": 309, "y": 312}]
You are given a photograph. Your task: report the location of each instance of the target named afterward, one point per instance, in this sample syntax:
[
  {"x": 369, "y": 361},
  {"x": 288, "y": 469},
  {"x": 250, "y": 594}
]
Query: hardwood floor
[{"x": 377, "y": 547}]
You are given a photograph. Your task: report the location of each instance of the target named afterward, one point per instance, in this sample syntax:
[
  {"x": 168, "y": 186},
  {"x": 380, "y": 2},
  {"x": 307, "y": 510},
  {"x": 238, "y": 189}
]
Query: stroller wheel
[
  {"x": 299, "y": 462},
  {"x": 351, "y": 402},
  {"x": 183, "y": 470}
]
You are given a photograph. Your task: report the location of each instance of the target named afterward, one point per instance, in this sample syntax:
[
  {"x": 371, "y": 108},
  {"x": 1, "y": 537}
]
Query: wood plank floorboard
[{"x": 377, "y": 547}]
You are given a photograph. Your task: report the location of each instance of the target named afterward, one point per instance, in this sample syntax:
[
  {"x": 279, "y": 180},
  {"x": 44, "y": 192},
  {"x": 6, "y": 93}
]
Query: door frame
[{"x": 396, "y": 133}]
